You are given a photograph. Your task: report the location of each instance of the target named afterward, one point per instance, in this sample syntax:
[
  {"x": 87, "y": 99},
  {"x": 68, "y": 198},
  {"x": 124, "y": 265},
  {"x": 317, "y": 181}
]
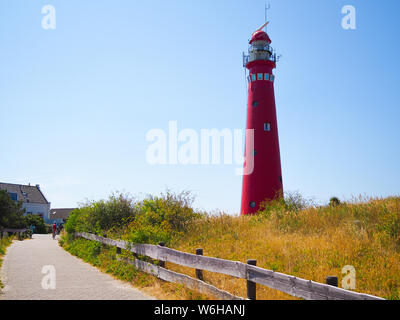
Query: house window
[
  {"x": 267, "y": 126},
  {"x": 266, "y": 76},
  {"x": 252, "y": 204},
  {"x": 13, "y": 196},
  {"x": 255, "y": 104},
  {"x": 259, "y": 76},
  {"x": 253, "y": 77}
]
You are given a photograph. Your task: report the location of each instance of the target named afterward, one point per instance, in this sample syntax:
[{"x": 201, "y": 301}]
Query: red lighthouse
[{"x": 265, "y": 181}]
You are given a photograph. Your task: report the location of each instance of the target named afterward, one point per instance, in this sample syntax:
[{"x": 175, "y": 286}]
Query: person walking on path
[
  {"x": 54, "y": 230},
  {"x": 32, "y": 227}
]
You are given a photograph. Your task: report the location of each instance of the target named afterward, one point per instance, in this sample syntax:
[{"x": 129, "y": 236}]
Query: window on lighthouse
[
  {"x": 266, "y": 76},
  {"x": 253, "y": 77},
  {"x": 267, "y": 126},
  {"x": 272, "y": 78},
  {"x": 252, "y": 204},
  {"x": 255, "y": 104},
  {"x": 259, "y": 76}
]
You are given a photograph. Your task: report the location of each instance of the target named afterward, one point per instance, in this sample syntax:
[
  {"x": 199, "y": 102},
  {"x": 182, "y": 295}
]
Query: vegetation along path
[{"x": 39, "y": 269}]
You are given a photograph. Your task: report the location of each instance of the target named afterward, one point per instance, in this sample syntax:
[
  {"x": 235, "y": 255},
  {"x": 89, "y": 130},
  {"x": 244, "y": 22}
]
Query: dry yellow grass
[{"x": 311, "y": 244}]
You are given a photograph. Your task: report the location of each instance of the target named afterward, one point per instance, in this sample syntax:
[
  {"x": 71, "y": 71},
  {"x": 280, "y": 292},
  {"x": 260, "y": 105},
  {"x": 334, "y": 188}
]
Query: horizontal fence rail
[
  {"x": 21, "y": 233},
  {"x": 291, "y": 285},
  {"x": 12, "y": 230},
  {"x": 176, "y": 277}
]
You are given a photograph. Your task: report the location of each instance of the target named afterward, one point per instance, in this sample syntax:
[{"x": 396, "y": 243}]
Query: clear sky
[{"x": 76, "y": 102}]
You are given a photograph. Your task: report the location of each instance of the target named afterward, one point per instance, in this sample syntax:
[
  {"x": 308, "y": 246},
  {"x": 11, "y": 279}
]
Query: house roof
[
  {"x": 25, "y": 193},
  {"x": 60, "y": 213}
]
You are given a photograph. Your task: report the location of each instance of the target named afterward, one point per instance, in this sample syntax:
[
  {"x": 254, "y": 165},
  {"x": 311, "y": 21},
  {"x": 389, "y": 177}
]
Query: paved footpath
[{"x": 22, "y": 275}]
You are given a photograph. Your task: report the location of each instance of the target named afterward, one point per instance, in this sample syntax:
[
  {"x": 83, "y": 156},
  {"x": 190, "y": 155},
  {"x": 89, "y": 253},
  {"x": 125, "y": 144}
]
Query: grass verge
[{"x": 4, "y": 243}]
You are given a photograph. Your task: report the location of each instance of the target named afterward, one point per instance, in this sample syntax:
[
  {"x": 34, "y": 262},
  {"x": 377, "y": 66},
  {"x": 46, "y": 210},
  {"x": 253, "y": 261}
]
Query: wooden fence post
[
  {"x": 199, "y": 272},
  {"x": 251, "y": 286},
  {"x": 118, "y": 252},
  {"x": 332, "y": 281},
  {"x": 103, "y": 244},
  {"x": 160, "y": 262}
]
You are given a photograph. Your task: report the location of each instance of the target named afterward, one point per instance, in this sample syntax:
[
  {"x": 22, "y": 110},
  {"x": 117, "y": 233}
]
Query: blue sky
[{"x": 76, "y": 102}]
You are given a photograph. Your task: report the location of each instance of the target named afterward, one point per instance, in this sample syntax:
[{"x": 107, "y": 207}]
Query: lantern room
[{"x": 259, "y": 48}]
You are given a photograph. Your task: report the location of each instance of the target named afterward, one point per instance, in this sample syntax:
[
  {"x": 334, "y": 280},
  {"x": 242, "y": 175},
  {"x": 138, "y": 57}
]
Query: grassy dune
[
  {"x": 310, "y": 243},
  {"x": 290, "y": 236}
]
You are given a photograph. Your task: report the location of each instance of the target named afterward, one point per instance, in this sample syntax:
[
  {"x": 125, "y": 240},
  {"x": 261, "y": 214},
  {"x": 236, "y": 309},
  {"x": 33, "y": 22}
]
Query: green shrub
[
  {"x": 160, "y": 218},
  {"x": 99, "y": 216},
  {"x": 71, "y": 223},
  {"x": 334, "y": 201},
  {"x": 38, "y": 222},
  {"x": 11, "y": 212},
  {"x": 152, "y": 220}
]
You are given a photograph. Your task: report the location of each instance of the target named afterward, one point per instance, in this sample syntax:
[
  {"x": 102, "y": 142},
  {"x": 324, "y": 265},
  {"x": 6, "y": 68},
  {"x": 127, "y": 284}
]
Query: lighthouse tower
[{"x": 265, "y": 181}]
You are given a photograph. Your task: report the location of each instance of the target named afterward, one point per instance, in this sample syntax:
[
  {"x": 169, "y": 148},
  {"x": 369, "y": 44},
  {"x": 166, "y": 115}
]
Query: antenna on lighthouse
[
  {"x": 266, "y": 14},
  {"x": 266, "y": 17}
]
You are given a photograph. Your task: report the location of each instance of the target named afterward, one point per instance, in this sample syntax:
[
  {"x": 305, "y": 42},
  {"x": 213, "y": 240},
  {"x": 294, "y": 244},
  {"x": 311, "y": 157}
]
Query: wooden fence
[
  {"x": 291, "y": 285},
  {"x": 20, "y": 232}
]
